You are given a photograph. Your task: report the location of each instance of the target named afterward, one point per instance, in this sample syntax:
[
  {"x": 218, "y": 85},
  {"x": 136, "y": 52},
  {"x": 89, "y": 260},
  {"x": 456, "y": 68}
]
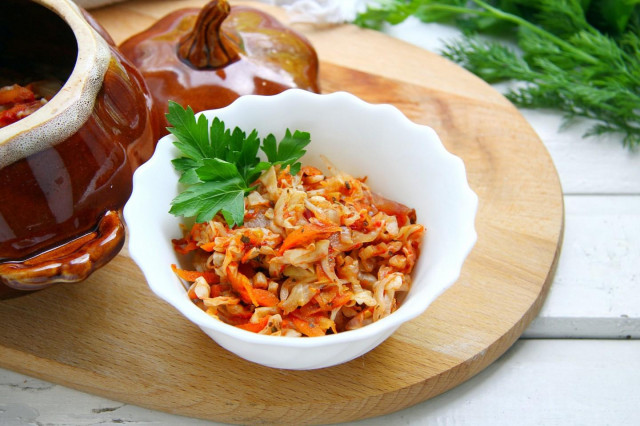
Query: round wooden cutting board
[{"x": 112, "y": 337}]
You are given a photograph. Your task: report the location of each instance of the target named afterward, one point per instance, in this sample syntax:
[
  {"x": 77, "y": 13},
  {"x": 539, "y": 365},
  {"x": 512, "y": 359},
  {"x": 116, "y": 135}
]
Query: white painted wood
[
  {"x": 28, "y": 401},
  {"x": 542, "y": 382},
  {"x": 537, "y": 382},
  {"x": 596, "y": 165},
  {"x": 596, "y": 289}
]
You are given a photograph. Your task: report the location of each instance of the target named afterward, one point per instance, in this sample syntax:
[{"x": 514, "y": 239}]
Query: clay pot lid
[{"x": 65, "y": 113}]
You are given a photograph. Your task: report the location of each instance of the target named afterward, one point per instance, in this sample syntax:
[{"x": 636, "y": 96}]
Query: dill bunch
[{"x": 581, "y": 57}]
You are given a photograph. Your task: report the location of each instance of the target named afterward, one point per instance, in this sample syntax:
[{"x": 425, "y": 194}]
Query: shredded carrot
[
  {"x": 255, "y": 327},
  {"x": 241, "y": 284},
  {"x": 265, "y": 298},
  {"x": 340, "y": 300},
  {"x": 208, "y": 246},
  {"x": 306, "y": 234},
  {"x": 309, "y": 326},
  {"x": 184, "y": 246},
  {"x": 311, "y": 308},
  {"x": 15, "y": 94},
  {"x": 191, "y": 276}
]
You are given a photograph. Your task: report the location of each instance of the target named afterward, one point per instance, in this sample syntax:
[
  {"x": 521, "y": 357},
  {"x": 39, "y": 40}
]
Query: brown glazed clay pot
[
  {"x": 206, "y": 58},
  {"x": 66, "y": 170}
]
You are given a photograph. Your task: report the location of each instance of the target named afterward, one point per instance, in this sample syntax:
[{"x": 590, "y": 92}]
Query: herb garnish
[
  {"x": 579, "y": 56},
  {"x": 219, "y": 165}
]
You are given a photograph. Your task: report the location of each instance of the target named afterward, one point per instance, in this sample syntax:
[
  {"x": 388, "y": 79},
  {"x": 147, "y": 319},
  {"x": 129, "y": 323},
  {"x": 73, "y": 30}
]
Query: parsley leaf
[
  {"x": 288, "y": 151},
  {"x": 205, "y": 199},
  {"x": 218, "y": 165},
  {"x": 190, "y": 134}
]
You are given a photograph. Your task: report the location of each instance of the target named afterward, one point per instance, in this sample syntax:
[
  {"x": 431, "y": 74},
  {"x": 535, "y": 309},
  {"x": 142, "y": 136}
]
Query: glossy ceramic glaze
[
  {"x": 206, "y": 58},
  {"x": 403, "y": 161},
  {"x": 66, "y": 170}
]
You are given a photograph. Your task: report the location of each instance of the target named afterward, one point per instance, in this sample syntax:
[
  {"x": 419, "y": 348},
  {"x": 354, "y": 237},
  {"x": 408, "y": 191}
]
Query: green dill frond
[
  {"x": 491, "y": 61},
  {"x": 562, "y": 18},
  {"x": 564, "y": 58}
]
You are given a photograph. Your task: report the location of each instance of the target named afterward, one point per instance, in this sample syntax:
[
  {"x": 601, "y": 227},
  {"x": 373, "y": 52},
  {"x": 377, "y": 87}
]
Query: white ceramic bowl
[{"x": 404, "y": 161}]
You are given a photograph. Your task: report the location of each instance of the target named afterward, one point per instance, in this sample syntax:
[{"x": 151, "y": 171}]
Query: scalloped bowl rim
[{"x": 408, "y": 310}]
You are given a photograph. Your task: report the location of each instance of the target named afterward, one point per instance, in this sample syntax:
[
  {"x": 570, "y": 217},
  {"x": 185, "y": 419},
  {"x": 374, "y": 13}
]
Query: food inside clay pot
[
  {"x": 17, "y": 102},
  {"x": 75, "y": 122},
  {"x": 206, "y": 58}
]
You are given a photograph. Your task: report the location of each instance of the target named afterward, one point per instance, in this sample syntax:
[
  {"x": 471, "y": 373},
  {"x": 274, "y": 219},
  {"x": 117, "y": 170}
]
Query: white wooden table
[{"x": 577, "y": 364}]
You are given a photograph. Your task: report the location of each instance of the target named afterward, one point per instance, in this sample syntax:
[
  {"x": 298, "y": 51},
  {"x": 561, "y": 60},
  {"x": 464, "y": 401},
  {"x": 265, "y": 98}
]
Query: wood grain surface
[{"x": 112, "y": 337}]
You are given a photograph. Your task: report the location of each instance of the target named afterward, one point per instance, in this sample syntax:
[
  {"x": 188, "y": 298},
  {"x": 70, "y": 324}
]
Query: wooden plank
[
  {"x": 595, "y": 290},
  {"x": 542, "y": 382},
  {"x": 598, "y": 165},
  {"x": 550, "y": 382}
]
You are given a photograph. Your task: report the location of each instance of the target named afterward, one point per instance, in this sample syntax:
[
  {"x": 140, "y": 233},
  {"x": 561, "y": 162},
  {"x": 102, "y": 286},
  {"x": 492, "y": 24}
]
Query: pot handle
[{"x": 71, "y": 262}]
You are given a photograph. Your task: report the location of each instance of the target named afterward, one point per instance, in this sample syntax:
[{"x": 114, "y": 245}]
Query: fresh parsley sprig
[{"x": 218, "y": 165}]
